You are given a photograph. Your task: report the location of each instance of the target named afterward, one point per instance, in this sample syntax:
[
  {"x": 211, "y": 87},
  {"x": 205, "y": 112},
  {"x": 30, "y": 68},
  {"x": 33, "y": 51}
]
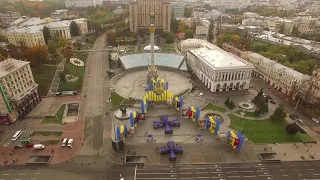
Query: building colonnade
[{"x": 65, "y": 32}]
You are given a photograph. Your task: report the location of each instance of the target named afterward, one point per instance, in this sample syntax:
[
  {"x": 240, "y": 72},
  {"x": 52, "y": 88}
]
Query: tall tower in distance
[{"x": 152, "y": 70}]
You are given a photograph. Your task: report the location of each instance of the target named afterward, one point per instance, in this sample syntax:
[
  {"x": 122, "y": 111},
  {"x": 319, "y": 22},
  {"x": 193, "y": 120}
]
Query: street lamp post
[{"x": 295, "y": 108}]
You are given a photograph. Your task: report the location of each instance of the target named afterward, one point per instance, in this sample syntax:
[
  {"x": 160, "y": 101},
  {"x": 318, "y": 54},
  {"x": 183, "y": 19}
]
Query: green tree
[
  {"x": 74, "y": 29},
  {"x": 181, "y": 26},
  {"x": 62, "y": 42},
  {"x": 67, "y": 53},
  {"x": 188, "y": 11},
  {"x": 46, "y": 34},
  {"x": 210, "y": 35},
  {"x": 111, "y": 38},
  {"x": 52, "y": 47},
  {"x": 169, "y": 38},
  {"x": 174, "y": 24},
  {"x": 189, "y": 33},
  {"x": 227, "y": 101},
  {"x": 292, "y": 128},
  {"x": 279, "y": 114}
]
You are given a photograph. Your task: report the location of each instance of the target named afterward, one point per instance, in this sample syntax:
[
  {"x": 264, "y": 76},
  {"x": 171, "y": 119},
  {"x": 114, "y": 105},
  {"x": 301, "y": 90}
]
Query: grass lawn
[
  {"x": 74, "y": 70},
  {"x": 51, "y": 142},
  {"x": 43, "y": 76},
  {"x": 91, "y": 38},
  {"x": 168, "y": 48},
  {"x": 264, "y": 131},
  {"x": 214, "y": 107},
  {"x": 47, "y": 133},
  {"x": 117, "y": 100},
  {"x": 248, "y": 114},
  {"x": 55, "y": 119}
]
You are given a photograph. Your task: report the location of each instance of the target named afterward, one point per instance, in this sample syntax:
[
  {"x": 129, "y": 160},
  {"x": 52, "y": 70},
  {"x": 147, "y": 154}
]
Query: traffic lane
[
  {"x": 228, "y": 171},
  {"x": 295, "y": 170},
  {"x": 61, "y": 172}
]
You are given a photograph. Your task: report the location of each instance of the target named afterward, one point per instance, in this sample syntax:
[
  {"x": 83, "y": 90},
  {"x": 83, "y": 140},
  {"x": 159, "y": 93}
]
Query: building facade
[
  {"x": 21, "y": 90},
  {"x": 82, "y": 3},
  {"x": 60, "y": 29},
  {"x": 82, "y": 25},
  {"x": 178, "y": 10},
  {"x": 280, "y": 77},
  {"x": 313, "y": 94},
  {"x": 25, "y": 36},
  {"x": 6, "y": 18},
  {"x": 202, "y": 28},
  {"x": 140, "y": 11},
  {"x": 218, "y": 69},
  {"x": 309, "y": 26},
  {"x": 59, "y": 14}
]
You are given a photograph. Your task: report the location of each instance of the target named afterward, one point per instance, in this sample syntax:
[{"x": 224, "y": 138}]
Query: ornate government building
[{"x": 218, "y": 69}]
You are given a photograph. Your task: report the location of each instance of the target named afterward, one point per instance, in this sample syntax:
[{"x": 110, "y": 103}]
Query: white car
[{"x": 315, "y": 120}]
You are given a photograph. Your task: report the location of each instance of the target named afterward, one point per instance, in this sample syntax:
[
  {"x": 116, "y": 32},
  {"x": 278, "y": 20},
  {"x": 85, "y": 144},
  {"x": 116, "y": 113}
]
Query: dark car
[
  {"x": 293, "y": 116},
  {"x": 272, "y": 102},
  {"x": 18, "y": 146}
]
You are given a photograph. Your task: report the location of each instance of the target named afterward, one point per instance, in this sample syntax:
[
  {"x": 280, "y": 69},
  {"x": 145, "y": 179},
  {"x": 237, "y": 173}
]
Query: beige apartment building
[
  {"x": 27, "y": 36},
  {"x": 309, "y": 26},
  {"x": 313, "y": 94},
  {"x": 19, "y": 90},
  {"x": 140, "y": 11}
]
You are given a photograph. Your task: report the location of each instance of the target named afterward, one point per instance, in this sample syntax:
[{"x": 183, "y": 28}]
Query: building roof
[
  {"x": 9, "y": 65},
  {"x": 218, "y": 58},
  {"x": 58, "y": 24},
  {"x": 193, "y": 41},
  {"x": 279, "y": 66}
]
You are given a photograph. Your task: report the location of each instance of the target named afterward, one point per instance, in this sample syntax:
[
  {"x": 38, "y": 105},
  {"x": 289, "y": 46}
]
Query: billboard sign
[{"x": 4, "y": 95}]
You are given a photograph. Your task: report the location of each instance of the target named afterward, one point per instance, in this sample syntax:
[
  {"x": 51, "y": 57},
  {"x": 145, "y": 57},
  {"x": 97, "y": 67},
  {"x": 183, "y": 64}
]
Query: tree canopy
[
  {"x": 74, "y": 30},
  {"x": 279, "y": 114}
]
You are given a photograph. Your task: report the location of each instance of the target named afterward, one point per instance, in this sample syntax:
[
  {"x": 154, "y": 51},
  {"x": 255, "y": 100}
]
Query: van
[
  {"x": 38, "y": 146},
  {"x": 16, "y": 135},
  {"x": 64, "y": 142},
  {"x": 70, "y": 141}
]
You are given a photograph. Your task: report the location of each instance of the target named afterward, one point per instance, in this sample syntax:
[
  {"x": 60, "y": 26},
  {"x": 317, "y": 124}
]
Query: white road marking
[
  {"x": 17, "y": 179},
  {"x": 281, "y": 170},
  {"x": 232, "y": 171},
  {"x": 37, "y": 173},
  {"x": 21, "y": 174},
  {"x": 265, "y": 175},
  {"x": 230, "y": 167},
  {"x": 311, "y": 169},
  {"x": 185, "y": 173},
  {"x": 157, "y": 173},
  {"x": 6, "y": 174},
  {"x": 246, "y": 171},
  {"x": 203, "y": 177},
  {"x": 185, "y": 168},
  {"x": 285, "y": 175},
  {"x": 233, "y": 176},
  {"x": 249, "y": 176},
  {"x": 200, "y": 168},
  {"x": 316, "y": 174},
  {"x": 216, "y": 172},
  {"x": 156, "y": 178}
]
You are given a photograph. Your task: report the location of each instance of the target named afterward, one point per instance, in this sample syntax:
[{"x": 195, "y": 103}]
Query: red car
[{"x": 30, "y": 145}]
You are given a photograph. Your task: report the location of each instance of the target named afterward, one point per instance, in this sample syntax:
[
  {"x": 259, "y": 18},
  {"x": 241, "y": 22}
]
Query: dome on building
[{"x": 148, "y": 48}]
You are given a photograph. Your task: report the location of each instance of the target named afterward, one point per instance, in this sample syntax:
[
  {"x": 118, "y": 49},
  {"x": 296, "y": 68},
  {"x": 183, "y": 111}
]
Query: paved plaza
[{"x": 133, "y": 84}]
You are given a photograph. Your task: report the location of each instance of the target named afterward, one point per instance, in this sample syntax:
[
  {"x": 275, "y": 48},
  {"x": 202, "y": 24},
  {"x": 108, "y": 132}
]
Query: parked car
[
  {"x": 38, "y": 146},
  {"x": 18, "y": 146},
  {"x": 272, "y": 102},
  {"x": 315, "y": 120},
  {"x": 293, "y": 116}
]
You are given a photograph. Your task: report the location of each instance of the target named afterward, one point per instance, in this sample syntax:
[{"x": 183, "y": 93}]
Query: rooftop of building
[
  {"x": 192, "y": 41},
  {"x": 35, "y": 25},
  {"x": 279, "y": 66},
  {"x": 9, "y": 65},
  {"x": 218, "y": 58}
]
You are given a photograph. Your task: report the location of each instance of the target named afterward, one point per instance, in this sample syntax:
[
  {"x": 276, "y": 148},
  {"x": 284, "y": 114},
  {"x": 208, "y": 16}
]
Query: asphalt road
[
  {"x": 245, "y": 171},
  {"x": 94, "y": 98}
]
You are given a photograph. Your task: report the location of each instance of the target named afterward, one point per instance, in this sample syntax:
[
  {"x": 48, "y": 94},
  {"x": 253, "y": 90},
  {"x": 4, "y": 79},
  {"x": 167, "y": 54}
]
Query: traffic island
[{"x": 134, "y": 159}]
